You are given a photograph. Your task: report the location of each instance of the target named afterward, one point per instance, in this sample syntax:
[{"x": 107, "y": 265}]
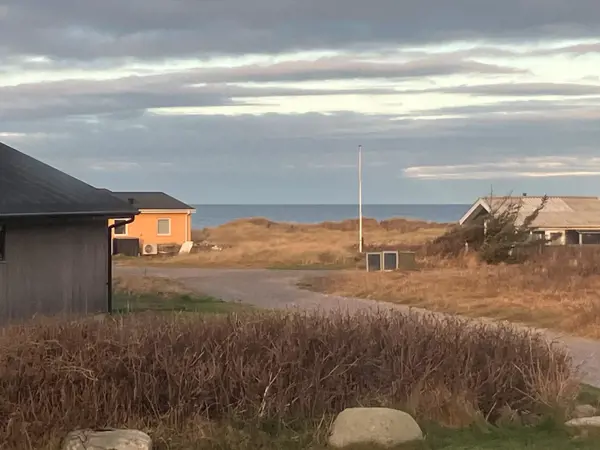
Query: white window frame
[
  {"x": 168, "y": 219},
  {"x": 126, "y": 225}
]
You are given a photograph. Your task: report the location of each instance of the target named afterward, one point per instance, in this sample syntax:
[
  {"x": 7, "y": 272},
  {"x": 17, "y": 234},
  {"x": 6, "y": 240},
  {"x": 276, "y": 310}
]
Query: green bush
[{"x": 502, "y": 236}]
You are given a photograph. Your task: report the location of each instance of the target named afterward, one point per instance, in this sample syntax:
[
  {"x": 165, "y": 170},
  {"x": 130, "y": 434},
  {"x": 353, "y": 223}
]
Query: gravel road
[{"x": 277, "y": 289}]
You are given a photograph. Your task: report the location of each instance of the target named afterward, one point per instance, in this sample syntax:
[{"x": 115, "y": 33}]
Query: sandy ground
[{"x": 278, "y": 289}]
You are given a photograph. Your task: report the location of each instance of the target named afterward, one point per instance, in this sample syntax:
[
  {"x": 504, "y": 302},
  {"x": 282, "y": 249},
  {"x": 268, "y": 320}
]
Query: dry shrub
[
  {"x": 163, "y": 370},
  {"x": 557, "y": 289},
  {"x": 565, "y": 262}
]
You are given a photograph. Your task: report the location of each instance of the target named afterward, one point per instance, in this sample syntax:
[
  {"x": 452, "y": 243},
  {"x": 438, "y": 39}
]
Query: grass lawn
[
  {"x": 544, "y": 437},
  {"x": 142, "y": 293},
  {"x": 125, "y": 302},
  {"x": 547, "y": 436}
]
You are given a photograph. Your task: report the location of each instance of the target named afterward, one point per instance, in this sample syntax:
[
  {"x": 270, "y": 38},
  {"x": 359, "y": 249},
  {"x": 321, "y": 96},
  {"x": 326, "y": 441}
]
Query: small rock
[
  {"x": 583, "y": 422},
  {"x": 380, "y": 426},
  {"x": 107, "y": 439},
  {"x": 582, "y": 411}
]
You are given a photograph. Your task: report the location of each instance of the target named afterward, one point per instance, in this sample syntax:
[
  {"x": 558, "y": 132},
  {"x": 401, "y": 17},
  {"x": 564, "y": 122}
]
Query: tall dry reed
[{"x": 165, "y": 370}]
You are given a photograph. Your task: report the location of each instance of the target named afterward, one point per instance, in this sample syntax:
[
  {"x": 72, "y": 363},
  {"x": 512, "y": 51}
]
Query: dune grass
[
  {"x": 558, "y": 291},
  {"x": 262, "y": 243}
]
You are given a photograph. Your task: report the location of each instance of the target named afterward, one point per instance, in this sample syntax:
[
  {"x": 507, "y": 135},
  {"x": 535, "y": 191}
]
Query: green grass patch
[
  {"x": 547, "y": 436},
  {"x": 125, "y": 303}
]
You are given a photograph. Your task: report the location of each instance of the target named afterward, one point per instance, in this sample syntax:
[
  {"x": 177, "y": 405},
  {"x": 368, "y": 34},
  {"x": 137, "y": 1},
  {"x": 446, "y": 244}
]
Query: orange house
[{"x": 162, "y": 220}]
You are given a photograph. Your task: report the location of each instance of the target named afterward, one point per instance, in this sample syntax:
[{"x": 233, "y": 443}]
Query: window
[
  {"x": 121, "y": 228},
  {"x": 2, "y": 243},
  {"x": 164, "y": 227},
  {"x": 555, "y": 238},
  {"x": 538, "y": 235}
]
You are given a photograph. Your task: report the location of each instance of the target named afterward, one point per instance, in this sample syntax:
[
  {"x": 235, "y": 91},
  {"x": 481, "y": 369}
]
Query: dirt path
[{"x": 277, "y": 289}]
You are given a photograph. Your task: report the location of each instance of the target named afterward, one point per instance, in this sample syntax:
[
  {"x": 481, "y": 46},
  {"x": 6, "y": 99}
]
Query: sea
[{"x": 214, "y": 215}]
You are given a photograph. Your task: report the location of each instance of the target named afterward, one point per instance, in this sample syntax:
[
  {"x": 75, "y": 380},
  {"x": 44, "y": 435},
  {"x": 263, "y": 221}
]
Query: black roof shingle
[
  {"x": 29, "y": 187},
  {"x": 152, "y": 200}
]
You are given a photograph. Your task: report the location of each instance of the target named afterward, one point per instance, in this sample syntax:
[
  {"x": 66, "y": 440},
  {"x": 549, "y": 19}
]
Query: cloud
[
  {"x": 243, "y": 158},
  {"x": 520, "y": 109},
  {"x": 577, "y": 49},
  {"x": 539, "y": 167},
  {"x": 334, "y": 68},
  {"x": 212, "y": 86},
  {"x": 64, "y": 29},
  {"x": 123, "y": 97},
  {"x": 523, "y": 89}
]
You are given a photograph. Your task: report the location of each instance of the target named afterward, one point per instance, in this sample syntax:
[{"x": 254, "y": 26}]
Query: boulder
[
  {"x": 582, "y": 411},
  {"x": 584, "y": 422},
  {"x": 107, "y": 439},
  {"x": 373, "y": 426}
]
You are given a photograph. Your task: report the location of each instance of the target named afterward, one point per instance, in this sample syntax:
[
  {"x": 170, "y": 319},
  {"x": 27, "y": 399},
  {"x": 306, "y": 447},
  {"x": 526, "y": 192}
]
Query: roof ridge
[
  {"x": 34, "y": 187},
  {"x": 586, "y": 197}
]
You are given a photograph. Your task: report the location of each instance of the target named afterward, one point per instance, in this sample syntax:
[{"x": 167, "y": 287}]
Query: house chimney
[
  {"x": 131, "y": 201},
  {"x": 524, "y": 194}
]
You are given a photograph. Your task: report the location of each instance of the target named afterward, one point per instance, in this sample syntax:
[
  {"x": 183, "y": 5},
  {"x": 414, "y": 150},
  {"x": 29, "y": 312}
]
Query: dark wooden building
[{"x": 54, "y": 240}]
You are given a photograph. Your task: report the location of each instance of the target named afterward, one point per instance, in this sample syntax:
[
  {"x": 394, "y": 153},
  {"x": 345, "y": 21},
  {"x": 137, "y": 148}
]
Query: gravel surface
[{"x": 277, "y": 289}]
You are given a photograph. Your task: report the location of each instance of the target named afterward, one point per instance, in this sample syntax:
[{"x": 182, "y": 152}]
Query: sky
[{"x": 267, "y": 101}]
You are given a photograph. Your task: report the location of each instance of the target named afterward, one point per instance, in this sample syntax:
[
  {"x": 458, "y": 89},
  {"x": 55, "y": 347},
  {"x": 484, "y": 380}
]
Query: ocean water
[{"x": 214, "y": 215}]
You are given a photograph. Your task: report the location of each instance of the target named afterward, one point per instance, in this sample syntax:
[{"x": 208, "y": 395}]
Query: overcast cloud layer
[{"x": 229, "y": 101}]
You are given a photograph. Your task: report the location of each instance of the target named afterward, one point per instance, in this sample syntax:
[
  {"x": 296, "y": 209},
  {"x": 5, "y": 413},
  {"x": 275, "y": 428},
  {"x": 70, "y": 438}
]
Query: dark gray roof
[
  {"x": 29, "y": 187},
  {"x": 152, "y": 200}
]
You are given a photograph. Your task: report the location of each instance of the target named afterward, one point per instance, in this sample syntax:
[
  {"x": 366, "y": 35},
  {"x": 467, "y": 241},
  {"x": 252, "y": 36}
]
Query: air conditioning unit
[{"x": 150, "y": 249}]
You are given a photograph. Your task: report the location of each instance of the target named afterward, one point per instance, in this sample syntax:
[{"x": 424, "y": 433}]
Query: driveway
[{"x": 278, "y": 289}]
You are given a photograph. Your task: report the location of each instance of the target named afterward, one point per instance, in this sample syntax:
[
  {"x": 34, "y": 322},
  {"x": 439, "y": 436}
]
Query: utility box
[
  {"x": 390, "y": 260},
  {"x": 374, "y": 261},
  {"x": 407, "y": 260}
]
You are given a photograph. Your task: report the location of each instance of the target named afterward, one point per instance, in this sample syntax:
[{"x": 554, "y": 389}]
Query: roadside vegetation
[{"x": 272, "y": 380}]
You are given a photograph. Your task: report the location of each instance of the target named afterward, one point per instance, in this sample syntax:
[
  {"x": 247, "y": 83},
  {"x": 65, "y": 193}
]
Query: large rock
[
  {"x": 107, "y": 439},
  {"x": 582, "y": 411},
  {"x": 380, "y": 426},
  {"x": 584, "y": 422}
]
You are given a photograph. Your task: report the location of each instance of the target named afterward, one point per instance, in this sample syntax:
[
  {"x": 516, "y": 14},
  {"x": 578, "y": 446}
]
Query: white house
[{"x": 563, "y": 220}]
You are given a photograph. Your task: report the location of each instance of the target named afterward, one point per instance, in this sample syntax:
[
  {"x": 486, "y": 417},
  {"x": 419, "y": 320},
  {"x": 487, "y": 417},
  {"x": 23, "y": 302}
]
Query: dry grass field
[
  {"x": 261, "y": 243},
  {"x": 560, "y": 290}
]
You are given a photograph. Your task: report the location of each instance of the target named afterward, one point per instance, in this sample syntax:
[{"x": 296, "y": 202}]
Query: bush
[
  {"x": 169, "y": 370},
  {"x": 502, "y": 236}
]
